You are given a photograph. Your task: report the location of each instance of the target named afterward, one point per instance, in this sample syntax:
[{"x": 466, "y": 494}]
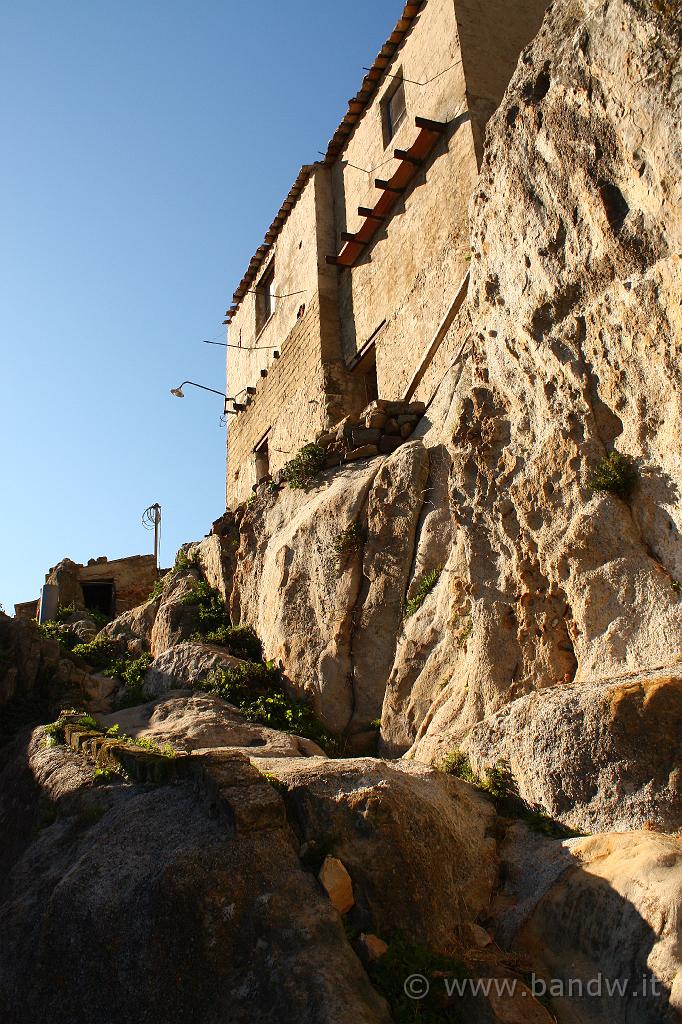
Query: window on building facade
[
  {"x": 262, "y": 459},
  {"x": 394, "y": 109},
  {"x": 265, "y": 298}
]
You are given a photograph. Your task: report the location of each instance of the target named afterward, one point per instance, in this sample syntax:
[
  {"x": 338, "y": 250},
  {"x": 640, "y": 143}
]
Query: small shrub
[
  {"x": 403, "y": 959},
  {"x": 615, "y": 474},
  {"x": 183, "y": 561},
  {"x": 424, "y": 588},
  {"x": 157, "y": 589},
  {"x": 304, "y": 466},
  {"x": 347, "y": 542},
  {"x": 131, "y": 671},
  {"x": 375, "y": 723},
  {"x": 98, "y": 652},
  {"x": 257, "y": 691},
  {"x": 457, "y": 763},
  {"x": 241, "y": 641},
  {"x": 499, "y": 782},
  {"x": 210, "y": 607},
  {"x": 54, "y": 731},
  {"x": 52, "y": 630},
  {"x": 64, "y": 611}
]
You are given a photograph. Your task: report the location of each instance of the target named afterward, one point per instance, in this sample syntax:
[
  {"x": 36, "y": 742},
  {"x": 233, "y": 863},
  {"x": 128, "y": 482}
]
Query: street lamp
[{"x": 178, "y": 393}]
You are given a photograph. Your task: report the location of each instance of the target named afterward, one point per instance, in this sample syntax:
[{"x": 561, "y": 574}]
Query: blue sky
[{"x": 145, "y": 149}]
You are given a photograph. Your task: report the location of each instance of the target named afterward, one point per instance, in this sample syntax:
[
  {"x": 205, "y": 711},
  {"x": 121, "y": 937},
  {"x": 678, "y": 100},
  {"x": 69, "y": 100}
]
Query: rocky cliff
[{"x": 483, "y": 627}]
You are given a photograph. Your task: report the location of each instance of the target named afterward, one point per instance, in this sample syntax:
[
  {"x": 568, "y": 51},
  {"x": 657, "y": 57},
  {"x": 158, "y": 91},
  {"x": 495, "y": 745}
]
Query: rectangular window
[
  {"x": 262, "y": 459},
  {"x": 265, "y": 298},
  {"x": 394, "y": 110}
]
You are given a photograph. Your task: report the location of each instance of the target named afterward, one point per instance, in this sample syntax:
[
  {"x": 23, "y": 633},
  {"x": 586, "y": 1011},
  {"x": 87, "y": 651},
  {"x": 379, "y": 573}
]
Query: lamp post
[{"x": 178, "y": 393}]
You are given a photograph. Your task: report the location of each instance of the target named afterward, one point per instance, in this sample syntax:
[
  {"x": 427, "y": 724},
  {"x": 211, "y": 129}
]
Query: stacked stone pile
[{"x": 379, "y": 430}]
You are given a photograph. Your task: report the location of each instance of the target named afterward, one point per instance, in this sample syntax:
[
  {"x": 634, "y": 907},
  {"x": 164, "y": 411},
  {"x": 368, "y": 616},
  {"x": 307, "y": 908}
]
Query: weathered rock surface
[
  {"x": 134, "y": 625},
  {"x": 175, "y": 621},
  {"x": 581, "y": 750},
  {"x": 575, "y": 350},
  {"x": 414, "y": 841},
  {"x": 27, "y": 659},
  {"x": 200, "y": 721},
  {"x": 332, "y": 622},
  {"x": 183, "y": 666},
  {"x": 176, "y": 902},
  {"x": 607, "y": 905}
]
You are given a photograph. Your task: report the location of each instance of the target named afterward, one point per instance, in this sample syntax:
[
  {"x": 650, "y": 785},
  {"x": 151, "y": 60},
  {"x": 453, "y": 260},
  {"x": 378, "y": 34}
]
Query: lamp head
[{"x": 177, "y": 392}]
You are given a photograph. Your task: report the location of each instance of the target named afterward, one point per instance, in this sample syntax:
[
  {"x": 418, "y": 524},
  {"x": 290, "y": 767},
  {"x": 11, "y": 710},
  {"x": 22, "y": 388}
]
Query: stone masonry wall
[
  {"x": 300, "y": 396},
  {"x": 410, "y": 273}
]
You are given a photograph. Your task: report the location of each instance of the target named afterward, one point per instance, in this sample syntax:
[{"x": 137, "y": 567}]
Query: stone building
[
  {"x": 356, "y": 291},
  {"x": 109, "y": 587}
]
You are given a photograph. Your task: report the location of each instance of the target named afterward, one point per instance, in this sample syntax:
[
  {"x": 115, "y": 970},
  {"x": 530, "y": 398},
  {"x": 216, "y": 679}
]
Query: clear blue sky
[{"x": 146, "y": 147}]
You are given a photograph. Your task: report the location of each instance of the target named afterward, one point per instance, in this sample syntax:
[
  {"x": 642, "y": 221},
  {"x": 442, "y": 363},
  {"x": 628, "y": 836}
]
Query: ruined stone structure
[
  {"x": 356, "y": 290},
  {"x": 110, "y": 587}
]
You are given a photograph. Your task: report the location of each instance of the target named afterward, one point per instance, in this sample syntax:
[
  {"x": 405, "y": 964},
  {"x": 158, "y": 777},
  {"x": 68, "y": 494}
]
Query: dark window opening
[
  {"x": 265, "y": 299},
  {"x": 366, "y": 372},
  {"x": 99, "y": 597},
  {"x": 262, "y": 460},
  {"x": 394, "y": 110}
]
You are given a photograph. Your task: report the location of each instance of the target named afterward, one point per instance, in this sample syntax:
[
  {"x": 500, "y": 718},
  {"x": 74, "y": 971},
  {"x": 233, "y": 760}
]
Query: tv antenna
[{"x": 151, "y": 520}]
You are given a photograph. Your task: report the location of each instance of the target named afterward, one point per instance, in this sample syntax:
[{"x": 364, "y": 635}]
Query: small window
[
  {"x": 262, "y": 460},
  {"x": 265, "y": 298},
  {"x": 394, "y": 110}
]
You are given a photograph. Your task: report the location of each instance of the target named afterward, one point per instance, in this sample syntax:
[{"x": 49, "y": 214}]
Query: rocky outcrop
[
  {"x": 329, "y": 614},
  {"x": 604, "y": 911},
  {"x": 184, "y": 666},
  {"x": 27, "y": 660},
  {"x": 140, "y": 877},
  {"x": 579, "y": 750},
  {"x": 574, "y": 352},
  {"x": 174, "y": 620},
  {"x": 202, "y": 721},
  {"x": 416, "y": 843}
]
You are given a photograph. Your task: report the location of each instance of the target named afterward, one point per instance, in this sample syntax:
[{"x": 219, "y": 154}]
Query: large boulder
[
  {"x": 601, "y": 918},
  {"x": 134, "y": 626},
  {"x": 184, "y": 666},
  {"x": 416, "y": 843},
  {"x": 164, "y": 903},
  {"x": 329, "y": 614},
  {"x": 27, "y": 660},
  {"x": 175, "y": 620},
  {"x": 202, "y": 721},
  {"x": 581, "y": 751}
]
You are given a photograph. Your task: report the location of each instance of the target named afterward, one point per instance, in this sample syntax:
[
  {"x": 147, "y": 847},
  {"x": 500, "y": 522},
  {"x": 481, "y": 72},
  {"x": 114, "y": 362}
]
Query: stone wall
[
  {"x": 132, "y": 579},
  {"x": 455, "y": 63},
  {"x": 408, "y": 276},
  {"x": 301, "y": 395}
]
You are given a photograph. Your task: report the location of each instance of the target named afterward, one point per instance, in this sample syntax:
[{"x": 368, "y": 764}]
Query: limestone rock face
[
  {"x": 134, "y": 625},
  {"x": 175, "y": 621},
  {"x": 150, "y": 873},
  {"x": 415, "y": 842},
  {"x": 581, "y": 750},
  {"x": 27, "y": 659},
  {"x": 331, "y": 620},
  {"x": 574, "y": 352},
  {"x": 183, "y": 666},
  {"x": 202, "y": 721},
  {"x": 606, "y": 905}
]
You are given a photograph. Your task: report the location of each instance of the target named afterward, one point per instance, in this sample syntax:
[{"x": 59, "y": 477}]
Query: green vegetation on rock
[
  {"x": 615, "y": 474},
  {"x": 424, "y": 588},
  {"x": 305, "y": 466}
]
